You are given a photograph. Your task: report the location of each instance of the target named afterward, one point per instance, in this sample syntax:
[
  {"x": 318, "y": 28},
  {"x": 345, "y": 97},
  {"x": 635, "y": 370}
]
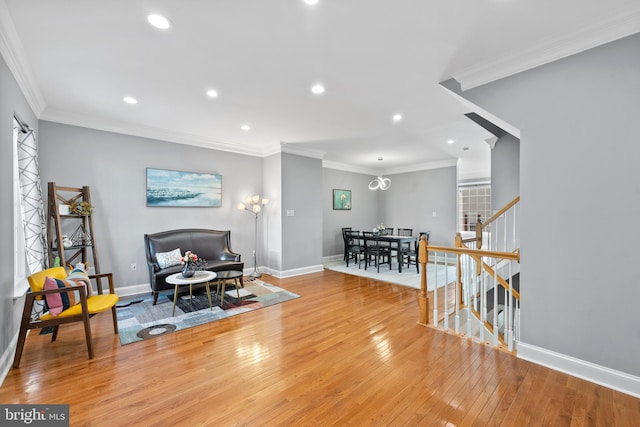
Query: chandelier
[{"x": 380, "y": 183}]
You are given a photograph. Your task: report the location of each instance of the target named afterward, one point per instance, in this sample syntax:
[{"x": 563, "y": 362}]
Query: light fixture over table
[{"x": 380, "y": 183}]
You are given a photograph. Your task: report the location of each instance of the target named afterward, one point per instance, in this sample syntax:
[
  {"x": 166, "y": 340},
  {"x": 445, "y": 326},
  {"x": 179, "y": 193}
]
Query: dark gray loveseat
[{"x": 212, "y": 245}]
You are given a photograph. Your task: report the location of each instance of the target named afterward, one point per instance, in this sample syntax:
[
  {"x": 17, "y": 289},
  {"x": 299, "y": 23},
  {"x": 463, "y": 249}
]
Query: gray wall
[
  {"x": 505, "y": 171},
  {"x": 114, "y": 167},
  {"x": 364, "y": 213},
  {"x": 272, "y": 215},
  {"x": 11, "y": 102},
  {"x": 579, "y": 152},
  {"x": 302, "y": 193},
  {"x": 414, "y": 196}
]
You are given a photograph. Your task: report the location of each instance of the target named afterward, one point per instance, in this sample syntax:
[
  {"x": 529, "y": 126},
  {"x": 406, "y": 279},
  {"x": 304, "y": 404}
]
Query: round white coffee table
[{"x": 198, "y": 278}]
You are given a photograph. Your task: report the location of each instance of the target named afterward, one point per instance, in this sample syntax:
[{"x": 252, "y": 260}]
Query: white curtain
[{"x": 32, "y": 205}]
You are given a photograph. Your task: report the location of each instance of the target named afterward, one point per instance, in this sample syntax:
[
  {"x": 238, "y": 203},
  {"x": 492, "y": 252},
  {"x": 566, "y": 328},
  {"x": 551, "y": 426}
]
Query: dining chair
[
  {"x": 354, "y": 245},
  {"x": 405, "y": 248},
  {"x": 344, "y": 240},
  {"x": 375, "y": 251},
  {"x": 412, "y": 254}
]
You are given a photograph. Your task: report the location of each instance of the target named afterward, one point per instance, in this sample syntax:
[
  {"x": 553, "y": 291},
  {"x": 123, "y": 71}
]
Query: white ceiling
[{"x": 76, "y": 59}]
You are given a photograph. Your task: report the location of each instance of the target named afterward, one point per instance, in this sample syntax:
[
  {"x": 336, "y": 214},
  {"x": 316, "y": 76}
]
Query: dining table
[{"x": 396, "y": 243}]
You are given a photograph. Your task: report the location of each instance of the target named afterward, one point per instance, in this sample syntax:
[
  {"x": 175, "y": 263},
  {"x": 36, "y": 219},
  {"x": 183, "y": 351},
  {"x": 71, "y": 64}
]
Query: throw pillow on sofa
[{"x": 168, "y": 259}]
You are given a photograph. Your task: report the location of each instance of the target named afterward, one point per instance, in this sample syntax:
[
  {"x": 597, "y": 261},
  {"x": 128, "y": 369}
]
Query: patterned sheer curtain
[{"x": 31, "y": 202}]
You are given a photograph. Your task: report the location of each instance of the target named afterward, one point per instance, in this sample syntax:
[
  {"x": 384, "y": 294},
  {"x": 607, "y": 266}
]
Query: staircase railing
[{"x": 479, "y": 301}]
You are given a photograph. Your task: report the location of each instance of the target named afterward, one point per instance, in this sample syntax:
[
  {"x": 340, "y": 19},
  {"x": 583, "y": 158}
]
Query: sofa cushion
[{"x": 168, "y": 259}]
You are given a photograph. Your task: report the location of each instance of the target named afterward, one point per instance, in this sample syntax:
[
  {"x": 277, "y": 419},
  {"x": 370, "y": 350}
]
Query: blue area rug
[{"x": 139, "y": 319}]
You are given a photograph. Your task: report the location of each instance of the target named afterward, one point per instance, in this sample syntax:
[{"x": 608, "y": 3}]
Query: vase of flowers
[
  {"x": 379, "y": 229},
  {"x": 191, "y": 263}
]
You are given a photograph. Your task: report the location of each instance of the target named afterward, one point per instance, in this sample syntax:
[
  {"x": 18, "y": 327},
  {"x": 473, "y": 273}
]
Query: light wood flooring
[{"x": 348, "y": 352}]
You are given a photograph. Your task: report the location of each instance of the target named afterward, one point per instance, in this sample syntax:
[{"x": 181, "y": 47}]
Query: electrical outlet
[{"x": 134, "y": 267}]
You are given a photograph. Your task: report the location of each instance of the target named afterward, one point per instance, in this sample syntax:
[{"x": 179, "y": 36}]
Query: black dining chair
[
  {"x": 344, "y": 240},
  {"x": 375, "y": 251},
  {"x": 355, "y": 248},
  {"x": 402, "y": 252},
  {"x": 412, "y": 254}
]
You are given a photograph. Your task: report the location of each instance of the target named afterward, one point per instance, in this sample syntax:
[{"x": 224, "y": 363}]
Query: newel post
[{"x": 423, "y": 299}]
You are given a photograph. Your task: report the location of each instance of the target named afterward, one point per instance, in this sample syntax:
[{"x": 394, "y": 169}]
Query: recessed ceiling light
[
  {"x": 211, "y": 93},
  {"x": 311, "y": 1},
  {"x": 159, "y": 21},
  {"x": 245, "y": 127},
  {"x": 397, "y": 117},
  {"x": 451, "y": 141},
  {"x": 130, "y": 100},
  {"x": 317, "y": 89}
]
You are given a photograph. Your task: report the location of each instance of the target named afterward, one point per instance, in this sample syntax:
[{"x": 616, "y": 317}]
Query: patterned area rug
[
  {"x": 139, "y": 319},
  {"x": 436, "y": 275}
]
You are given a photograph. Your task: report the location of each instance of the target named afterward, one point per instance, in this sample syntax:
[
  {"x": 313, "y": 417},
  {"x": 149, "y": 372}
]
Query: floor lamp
[{"x": 254, "y": 204}]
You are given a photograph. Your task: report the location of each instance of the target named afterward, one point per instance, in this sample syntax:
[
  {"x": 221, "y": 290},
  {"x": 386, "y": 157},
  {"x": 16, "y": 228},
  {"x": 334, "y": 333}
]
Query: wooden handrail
[
  {"x": 492, "y": 273},
  {"x": 501, "y": 211},
  {"x": 476, "y": 252}
]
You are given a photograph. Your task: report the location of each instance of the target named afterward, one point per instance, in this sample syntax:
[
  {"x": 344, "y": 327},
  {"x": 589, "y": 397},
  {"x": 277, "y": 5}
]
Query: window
[
  {"x": 20, "y": 284},
  {"x": 474, "y": 205}
]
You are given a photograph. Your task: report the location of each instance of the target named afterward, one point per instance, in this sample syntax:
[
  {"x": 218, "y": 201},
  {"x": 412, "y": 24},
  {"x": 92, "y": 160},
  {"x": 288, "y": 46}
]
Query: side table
[
  {"x": 198, "y": 278},
  {"x": 222, "y": 277}
]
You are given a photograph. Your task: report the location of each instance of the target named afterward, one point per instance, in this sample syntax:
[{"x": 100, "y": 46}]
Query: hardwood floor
[{"x": 348, "y": 352}]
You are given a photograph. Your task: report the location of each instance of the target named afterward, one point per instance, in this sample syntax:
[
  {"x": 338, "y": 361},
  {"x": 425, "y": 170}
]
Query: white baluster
[
  {"x": 495, "y": 304},
  {"x": 457, "y": 294},
  {"x": 508, "y": 321},
  {"x": 435, "y": 292},
  {"x": 471, "y": 289},
  {"x": 446, "y": 290},
  {"x": 483, "y": 304}
]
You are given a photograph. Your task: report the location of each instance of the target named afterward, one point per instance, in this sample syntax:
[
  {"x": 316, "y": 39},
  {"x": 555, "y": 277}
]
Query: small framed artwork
[
  {"x": 180, "y": 188},
  {"x": 342, "y": 200}
]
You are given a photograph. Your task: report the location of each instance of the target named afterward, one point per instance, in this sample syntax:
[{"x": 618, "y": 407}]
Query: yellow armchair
[{"x": 88, "y": 306}]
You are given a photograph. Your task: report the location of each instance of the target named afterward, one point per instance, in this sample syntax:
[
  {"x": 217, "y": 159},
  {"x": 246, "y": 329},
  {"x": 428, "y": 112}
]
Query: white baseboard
[
  {"x": 6, "y": 360},
  {"x": 127, "y": 291},
  {"x": 333, "y": 258},
  {"x": 294, "y": 272},
  {"x": 616, "y": 380}
]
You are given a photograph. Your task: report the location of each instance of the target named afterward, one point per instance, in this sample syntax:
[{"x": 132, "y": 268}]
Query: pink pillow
[{"x": 54, "y": 301}]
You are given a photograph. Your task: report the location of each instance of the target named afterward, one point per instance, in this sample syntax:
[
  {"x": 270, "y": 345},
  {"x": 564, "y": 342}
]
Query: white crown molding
[
  {"x": 613, "y": 28},
  {"x": 11, "y": 50},
  {"x": 148, "y": 132},
  {"x": 328, "y": 164},
  {"x": 452, "y": 87},
  {"x": 602, "y": 375},
  {"x": 301, "y": 151},
  {"x": 421, "y": 167},
  {"x": 492, "y": 141},
  {"x": 403, "y": 169}
]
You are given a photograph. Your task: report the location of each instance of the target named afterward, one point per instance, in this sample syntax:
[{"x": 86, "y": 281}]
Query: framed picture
[
  {"x": 342, "y": 200},
  {"x": 183, "y": 189}
]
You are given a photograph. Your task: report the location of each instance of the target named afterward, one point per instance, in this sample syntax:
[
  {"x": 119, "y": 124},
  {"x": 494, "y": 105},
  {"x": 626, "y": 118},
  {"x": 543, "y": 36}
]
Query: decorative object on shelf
[
  {"x": 64, "y": 209},
  {"x": 380, "y": 183},
  {"x": 341, "y": 200},
  {"x": 183, "y": 189},
  {"x": 379, "y": 229},
  {"x": 254, "y": 204},
  {"x": 80, "y": 208},
  {"x": 192, "y": 263},
  {"x": 66, "y": 241}
]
